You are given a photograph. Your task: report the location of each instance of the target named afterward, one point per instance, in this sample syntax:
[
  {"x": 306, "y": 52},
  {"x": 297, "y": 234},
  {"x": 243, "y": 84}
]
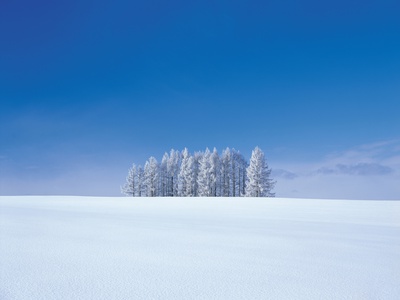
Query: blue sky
[{"x": 88, "y": 87}]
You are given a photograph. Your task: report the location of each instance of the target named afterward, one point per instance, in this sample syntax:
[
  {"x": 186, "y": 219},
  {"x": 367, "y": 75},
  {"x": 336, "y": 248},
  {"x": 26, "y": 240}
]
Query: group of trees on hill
[{"x": 203, "y": 174}]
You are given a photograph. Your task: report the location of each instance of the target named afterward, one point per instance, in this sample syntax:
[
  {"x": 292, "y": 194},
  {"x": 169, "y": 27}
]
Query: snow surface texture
[{"x": 198, "y": 248}]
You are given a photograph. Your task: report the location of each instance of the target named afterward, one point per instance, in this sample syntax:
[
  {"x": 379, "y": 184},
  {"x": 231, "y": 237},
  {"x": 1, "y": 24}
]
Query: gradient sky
[{"x": 88, "y": 87}]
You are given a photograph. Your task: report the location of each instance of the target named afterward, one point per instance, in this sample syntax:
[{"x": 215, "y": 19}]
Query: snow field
[{"x": 198, "y": 248}]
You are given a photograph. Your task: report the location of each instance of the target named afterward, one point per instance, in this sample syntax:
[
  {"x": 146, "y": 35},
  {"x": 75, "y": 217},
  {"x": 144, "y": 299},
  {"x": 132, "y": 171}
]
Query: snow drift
[{"x": 198, "y": 248}]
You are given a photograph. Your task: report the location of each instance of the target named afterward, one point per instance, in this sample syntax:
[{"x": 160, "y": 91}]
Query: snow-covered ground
[{"x": 198, "y": 248}]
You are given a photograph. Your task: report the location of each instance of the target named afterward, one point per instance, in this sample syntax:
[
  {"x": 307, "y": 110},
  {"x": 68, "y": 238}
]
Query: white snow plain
[{"x": 198, "y": 248}]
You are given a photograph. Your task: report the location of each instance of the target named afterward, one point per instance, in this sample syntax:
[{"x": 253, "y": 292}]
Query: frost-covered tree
[
  {"x": 242, "y": 175},
  {"x": 173, "y": 172},
  {"x": 203, "y": 179},
  {"x": 140, "y": 182},
  {"x": 196, "y": 169},
  {"x": 214, "y": 173},
  {"x": 186, "y": 175},
  {"x": 130, "y": 186},
  {"x": 151, "y": 174},
  {"x": 164, "y": 175},
  {"x": 226, "y": 173},
  {"x": 238, "y": 173},
  {"x": 234, "y": 172},
  {"x": 259, "y": 183}
]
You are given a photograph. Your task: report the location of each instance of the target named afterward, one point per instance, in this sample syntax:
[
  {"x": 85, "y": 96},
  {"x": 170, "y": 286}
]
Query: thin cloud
[
  {"x": 281, "y": 173},
  {"x": 378, "y": 152},
  {"x": 361, "y": 169}
]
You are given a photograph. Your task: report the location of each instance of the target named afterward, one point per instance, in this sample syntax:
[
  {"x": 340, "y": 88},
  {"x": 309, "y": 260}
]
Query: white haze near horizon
[
  {"x": 198, "y": 248},
  {"x": 370, "y": 171}
]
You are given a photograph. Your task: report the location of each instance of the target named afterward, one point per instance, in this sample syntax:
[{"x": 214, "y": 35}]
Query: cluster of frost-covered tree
[{"x": 203, "y": 174}]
